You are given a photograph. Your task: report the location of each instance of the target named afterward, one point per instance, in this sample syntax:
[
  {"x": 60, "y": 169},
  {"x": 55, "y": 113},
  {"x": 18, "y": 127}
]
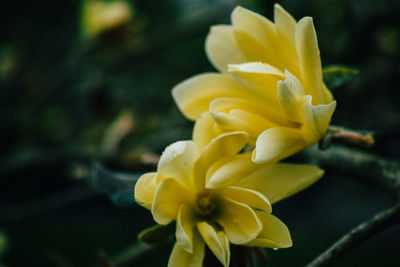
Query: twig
[
  {"x": 359, "y": 165},
  {"x": 349, "y": 137},
  {"x": 358, "y": 235}
]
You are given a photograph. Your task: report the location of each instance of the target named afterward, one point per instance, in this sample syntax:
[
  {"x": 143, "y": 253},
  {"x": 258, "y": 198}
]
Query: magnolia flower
[
  {"x": 218, "y": 197},
  {"x": 270, "y": 84}
]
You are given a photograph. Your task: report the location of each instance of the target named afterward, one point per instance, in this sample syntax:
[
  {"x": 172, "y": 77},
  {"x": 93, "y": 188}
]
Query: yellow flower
[
  {"x": 270, "y": 84},
  {"x": 218, "y": 197}
]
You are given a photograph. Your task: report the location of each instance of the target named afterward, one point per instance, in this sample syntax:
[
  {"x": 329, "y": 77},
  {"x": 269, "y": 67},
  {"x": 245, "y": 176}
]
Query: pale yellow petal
[
  {"x": 279, "y": 181},
  {"x": 251, "y": 198},
  {"x": 205, "y": 129},
  {"x": 286, "y": 26},
  {"x": 239, "y": 120},
  {"x": 310, "y": 62},
  {"x": 179, "y": 257},
  {"x": 290, "y": 92},
  {"x": 222, "y": 48},
  {"x": 277, "y": 143},
  {"x": 259, "y": 107},
  {"x": 285, "y": 23},
  {"x": 239, "y": 221},
  {"x": 185, "y": 225},
  {"x": 322, "y": 116},
  {"x": 226, "y": 172},
  {"x": 275, "y": 233},
  {"x": 328, "y": 95},
  {"x": 316, "y": 119},
  {"x": 216, "y": 241},
  {"x": 168, "y": 198},
  {"x": 256, "y": 36},
  {"x": 225, "y": 145},
  {"x": 259, "y": 77},
  {"x": 193, "y": 96},
  {"x": 145, "y": 188},
  {"x": 177, "y": 160}
]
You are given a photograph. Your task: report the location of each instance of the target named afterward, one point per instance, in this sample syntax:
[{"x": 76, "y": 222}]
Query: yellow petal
[
  {"x": 285, "y": 27},
  {"x": 281, "y": 180},
  {"x": 285, "y": 23},
  {"x": 259, "y": 107},
  {"x": 290, "y": 92},
  {"x": 251, "y": 198},
  {"x": 185, "y": 224},
  {"x": 277, "y": 143},
  {"x": 180, "y": 257},
  {"x": 222, "y": 48},
  {"x": 193, "y": 96},
  {"x": 275, "y": 233},
  {"x": 240, "y": 120},
  {"x": 310, "y": 62},
  {"x": 145, "y": 188},
  {"x": 259, "y": 77},
  {"x": 239, "y": 221},
  {"x": 177, "y": 160},
  {"x": 217, "y": 242},
  {"x": 205, "y": 129},
  {"x": 224, "y": 145},
  {"x": 229, "y": 171},
  {"x": 168, "y": 198},
  {"x": 256, "y": 36},
  {"x": 316, "y": 119}
]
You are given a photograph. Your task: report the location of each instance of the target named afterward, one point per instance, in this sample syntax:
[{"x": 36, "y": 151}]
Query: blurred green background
[{"x": 90, "y": 81}]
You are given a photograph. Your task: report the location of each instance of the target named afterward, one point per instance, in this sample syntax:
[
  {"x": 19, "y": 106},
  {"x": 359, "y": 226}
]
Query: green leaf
[
  {"x": 337, "y": 75},
  {"x": 157, "y": 233}
]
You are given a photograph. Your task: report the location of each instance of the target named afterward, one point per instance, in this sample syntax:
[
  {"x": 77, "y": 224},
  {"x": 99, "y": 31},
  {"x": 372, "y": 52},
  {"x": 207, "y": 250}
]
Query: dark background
[{"x": 69, "y": 100}]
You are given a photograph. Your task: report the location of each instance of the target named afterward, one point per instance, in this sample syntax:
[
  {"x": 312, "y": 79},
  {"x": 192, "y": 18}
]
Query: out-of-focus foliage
[
  {"x": 157, "y": 234},
  {"x": 336, "y": 76},
  {"x": 62, "y": 94}
]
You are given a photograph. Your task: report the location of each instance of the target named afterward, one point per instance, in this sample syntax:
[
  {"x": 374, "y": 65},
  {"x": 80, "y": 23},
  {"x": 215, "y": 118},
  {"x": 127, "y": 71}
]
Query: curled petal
[
  {"x": 185, "y": 224},
  {"x": 231, "y": 170},
  {"x": 168, "y": 198},
  {"x": 225, "y": 145},
  {"x": 177, "y": 160},
  {"x": 316, "y": 119},
  {"x": 222, "y": 48},
  {"x": 145, "y": 188},
  {"x": 275, "y": 233},
  {"x": 290, "y": 92},
  {"x": 239, "y": 221},
  {"x": 205, "y": 129},
  {"x": 276, "y": 143},
  {"x": 180, "y": 257},
  {"x": 217, "y": 241},
  {"x": 281, "y": 180}
]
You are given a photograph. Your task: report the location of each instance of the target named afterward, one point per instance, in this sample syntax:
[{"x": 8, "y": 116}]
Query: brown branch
[
  {"x": 349, "y": 137},
  {"x": 358, "y": 235},
  {"x": 360, "y": 165}
]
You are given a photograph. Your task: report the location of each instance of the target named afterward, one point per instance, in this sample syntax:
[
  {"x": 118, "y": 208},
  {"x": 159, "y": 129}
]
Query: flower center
[{"x": 205, "y": 204}]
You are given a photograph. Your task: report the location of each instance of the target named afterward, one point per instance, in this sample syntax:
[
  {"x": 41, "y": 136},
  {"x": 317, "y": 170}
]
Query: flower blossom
[
  {"x": 270, "y": 84},
  {"x": 219, "y": 197}
]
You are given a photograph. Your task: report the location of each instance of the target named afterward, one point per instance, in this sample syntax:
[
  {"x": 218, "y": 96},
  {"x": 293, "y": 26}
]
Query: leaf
[
  {"x": 118, "y": 186},
  {"x": 336, "y": 75},
  {"x": 157, "y": 233}
]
